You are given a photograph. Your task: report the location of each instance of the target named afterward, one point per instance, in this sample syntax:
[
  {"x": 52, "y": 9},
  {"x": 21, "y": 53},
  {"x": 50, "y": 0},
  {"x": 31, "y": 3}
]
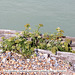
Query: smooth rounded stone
[
  {"x": 50, "y": 64},
  {"x": 4, "y": 59},
  {"x": 42, "y": 57},
  {"x": 48, "y": 60},
  {"x": 18, "y": 65},
  {"x": 3, "y": 55},
  {"x": 9, "y": 54},
  {"x": 44, "y": 62},
  {"x": 14, "y": 66},
  {"x": 34, "y": 66},
  {"x": 13, "y": 59}
]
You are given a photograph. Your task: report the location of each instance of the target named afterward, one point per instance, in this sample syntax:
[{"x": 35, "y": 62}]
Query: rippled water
[{"x": 14, "y": 14}]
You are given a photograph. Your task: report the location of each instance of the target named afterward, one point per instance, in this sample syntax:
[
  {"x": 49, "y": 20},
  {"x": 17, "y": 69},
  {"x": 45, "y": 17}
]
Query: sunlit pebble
[
  {"x": 48, "y": 60},
  {"x": 28, "y": 60},
  {"x": 4, "y": 60}
]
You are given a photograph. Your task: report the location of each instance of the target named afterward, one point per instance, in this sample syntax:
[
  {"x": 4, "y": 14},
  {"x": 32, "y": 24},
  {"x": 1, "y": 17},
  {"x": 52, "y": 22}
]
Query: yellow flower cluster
[
  {"x": 16, "y": 41},
  {"x": 48, "y": 45},
  {"x": 13, "y": 47},
  {"x": 27, "y": 25},
  {"x": 39, "y": 37},
  {"x": 41, "y": 25}
]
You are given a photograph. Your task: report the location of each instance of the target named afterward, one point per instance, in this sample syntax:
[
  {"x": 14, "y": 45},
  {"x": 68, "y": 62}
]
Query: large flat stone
[{"x": 65, "y": 56}]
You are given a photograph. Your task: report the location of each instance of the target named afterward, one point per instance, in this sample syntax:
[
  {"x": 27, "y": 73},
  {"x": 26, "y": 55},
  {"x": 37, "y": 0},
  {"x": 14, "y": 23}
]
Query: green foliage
[
  {"x": 67, "y": 40},
  {"x": 73, "y": 51},
  {"x": 26, "y": 42},
  {"x": 66, "y": 46},
  {"x": 54, "y": 49}
]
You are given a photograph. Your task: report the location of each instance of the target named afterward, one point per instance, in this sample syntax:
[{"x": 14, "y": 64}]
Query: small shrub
[{"x": 26, "y": 42}]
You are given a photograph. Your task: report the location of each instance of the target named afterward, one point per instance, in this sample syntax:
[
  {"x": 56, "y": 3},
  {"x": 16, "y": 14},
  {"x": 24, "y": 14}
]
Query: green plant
[
  {"x": 54, "y": 49},
  {"x": 25, "y": 42},
  {"x": 73, "y": 51},
  {"x": 68, "y": 41}
]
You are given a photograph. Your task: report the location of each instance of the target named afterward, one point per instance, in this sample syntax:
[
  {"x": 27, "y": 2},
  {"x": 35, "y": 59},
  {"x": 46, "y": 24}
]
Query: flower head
[
  {"x": 41, "y": 25},
  {"x": 48, "y": 45},
  {"x": 16, "y": 33},
  {"x": 58, "y": 28},
  {"x": 16, "y": 41},
  {"x": 39, "y": 37},
  {"x": 51, "y": 34},
  {"x": 27, "y": 25},
  {"x": 29, "y": 28},
  {"x": 63, "y": 46},
  {"x": 22, "y": 32},
  {"x": 2, "y": 37},
  {"x": 59, "y": 39},
  {"x": 13, "y": 47}
]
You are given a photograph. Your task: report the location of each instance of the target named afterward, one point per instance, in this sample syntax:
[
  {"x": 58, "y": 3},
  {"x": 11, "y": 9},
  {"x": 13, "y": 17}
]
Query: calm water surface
[{"x": 14, "y": 14}]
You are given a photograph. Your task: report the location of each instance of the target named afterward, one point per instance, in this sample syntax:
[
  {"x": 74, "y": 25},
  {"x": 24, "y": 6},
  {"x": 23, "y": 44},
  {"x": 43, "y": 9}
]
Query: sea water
[{"x": 14, "y": 14}]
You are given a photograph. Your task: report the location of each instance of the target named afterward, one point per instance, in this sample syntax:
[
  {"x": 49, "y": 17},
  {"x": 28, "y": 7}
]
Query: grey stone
[
  {"x": 74, "y": 67},
  {"x": 42, "y": 57}
]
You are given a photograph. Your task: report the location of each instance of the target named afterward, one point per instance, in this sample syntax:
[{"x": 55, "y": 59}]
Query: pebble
[
  {"x": 53, "y": 58},
  {"x": 28, "y": 60},
  {"x": 1, "y": 50},
  {"x": 13, "y": 59},
  {"x": 4, "y": 59}
]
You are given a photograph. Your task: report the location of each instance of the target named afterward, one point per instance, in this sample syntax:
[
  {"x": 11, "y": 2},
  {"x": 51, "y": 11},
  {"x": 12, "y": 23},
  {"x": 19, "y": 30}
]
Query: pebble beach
[{"x": 13, "y": 61}]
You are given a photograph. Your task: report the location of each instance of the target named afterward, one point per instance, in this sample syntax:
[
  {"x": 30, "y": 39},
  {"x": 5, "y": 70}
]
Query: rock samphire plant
[{"x": 25, "y": 42}]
